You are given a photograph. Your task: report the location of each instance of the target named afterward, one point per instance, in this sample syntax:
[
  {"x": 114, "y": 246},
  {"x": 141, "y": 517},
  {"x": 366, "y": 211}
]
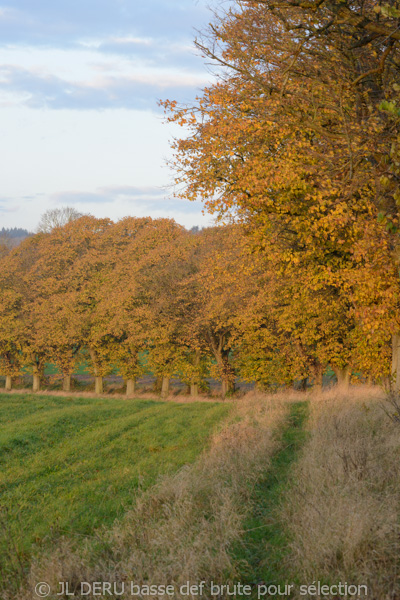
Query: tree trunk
[
  {"x": 8, "y": 383},
  {"x": 130, "y": 387},
  {"x": 67, "y": 383},
  {"x": 396, "y": 361},
  {"x": 194, "y": 386},
  {"x": 227, "y": 387},
  {"x": 98, "y": 385},
  {"x": 222, "y": 357},
  {"x": 343, "y": 376},
  {"x": 98, "y": 379},
  {"x": 158, "y": 385},
  {"x": 303, "y": 384},
  {"x": 369, "y": 380},
  {"x": 165, "y": 387},
  {"x": 194, "y": 390},
  {"x": 227, "y": 373},
  {"x": 36, "y": 382},
  {"x": 319, "y": 371}
]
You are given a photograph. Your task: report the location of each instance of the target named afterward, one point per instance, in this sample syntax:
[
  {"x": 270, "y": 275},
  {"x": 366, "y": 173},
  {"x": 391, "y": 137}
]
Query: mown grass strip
[{"x": 261, "y": 551}]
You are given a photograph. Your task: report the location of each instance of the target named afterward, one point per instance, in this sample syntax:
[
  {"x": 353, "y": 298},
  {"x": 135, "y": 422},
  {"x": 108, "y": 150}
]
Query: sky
[{"x": 80, "y": 125}]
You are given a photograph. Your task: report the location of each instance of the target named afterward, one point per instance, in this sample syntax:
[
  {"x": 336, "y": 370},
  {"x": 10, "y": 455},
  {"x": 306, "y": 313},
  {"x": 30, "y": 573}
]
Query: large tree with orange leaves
[
  {"x": 136, "y": 298},
  {"x": 291, "y": 140},
  {"x": 222, "y": 290},
  {"x": 72, "y": 263},
  {"x": 21, "y": 339}
]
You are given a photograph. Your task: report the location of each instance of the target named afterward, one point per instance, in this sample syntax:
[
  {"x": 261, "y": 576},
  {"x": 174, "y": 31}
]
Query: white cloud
[
  {"x": 79, "y": 86},
  {"x": 77, "y": 80}
]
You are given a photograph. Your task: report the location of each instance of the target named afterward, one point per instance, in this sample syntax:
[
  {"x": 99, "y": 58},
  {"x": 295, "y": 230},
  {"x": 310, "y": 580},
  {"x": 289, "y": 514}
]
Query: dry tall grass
[
  {"x": 179, "y": 530},
  {"x": 343, "y": 511}
]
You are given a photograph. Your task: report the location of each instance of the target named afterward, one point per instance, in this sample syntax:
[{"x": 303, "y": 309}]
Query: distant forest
[{"x": 14, "y": 232}]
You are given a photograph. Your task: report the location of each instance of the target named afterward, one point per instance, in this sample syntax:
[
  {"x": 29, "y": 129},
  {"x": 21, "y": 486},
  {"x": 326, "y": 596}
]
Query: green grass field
[{"x": 69, "y": 465}]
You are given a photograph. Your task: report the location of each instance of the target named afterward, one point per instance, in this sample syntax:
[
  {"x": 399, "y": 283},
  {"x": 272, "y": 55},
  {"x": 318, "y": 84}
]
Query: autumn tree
[
  {"x": 59, "y": 280},
  {"x": 21, "y": 344},
  {"x": 61, "y": 290},
  {"x": 11, "y": 325},
  {"x": 298, "y": 317},
  {"x": 291, "y": 139},
  {"x": 88, "y": 239},
  {"x": 5, "y": 245},
  {"x": 162, "y": 270},
  {"x": 138, "y": 254},
  {"x": 218, "y": 290}
]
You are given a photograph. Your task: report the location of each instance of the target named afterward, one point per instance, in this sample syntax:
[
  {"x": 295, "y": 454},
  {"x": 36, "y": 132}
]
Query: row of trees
[
  {"x": 144, "y": 294},
  {"x": 119, "y": 291},
  {"x": 298, "y": 139}
]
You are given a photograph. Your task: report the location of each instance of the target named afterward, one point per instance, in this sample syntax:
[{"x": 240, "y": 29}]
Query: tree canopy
[{"x": 297, "y": 139}]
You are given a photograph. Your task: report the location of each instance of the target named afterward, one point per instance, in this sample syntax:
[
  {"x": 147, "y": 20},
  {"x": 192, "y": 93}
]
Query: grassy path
[{"x": 263, "y": 547}]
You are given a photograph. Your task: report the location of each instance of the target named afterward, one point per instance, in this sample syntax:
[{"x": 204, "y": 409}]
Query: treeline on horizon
[
  {"x": 13, "y": 232},
  {"x": 194, "y": 306}
]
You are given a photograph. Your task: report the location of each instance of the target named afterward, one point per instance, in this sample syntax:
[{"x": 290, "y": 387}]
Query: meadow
[
  {"x": 267, "y": 490},
  {"x": 69, "y": 465}
]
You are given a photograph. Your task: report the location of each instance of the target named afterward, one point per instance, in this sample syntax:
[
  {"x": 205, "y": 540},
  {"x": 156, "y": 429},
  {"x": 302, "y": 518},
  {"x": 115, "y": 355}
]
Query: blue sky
[{"x": 80, "y": 126}]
